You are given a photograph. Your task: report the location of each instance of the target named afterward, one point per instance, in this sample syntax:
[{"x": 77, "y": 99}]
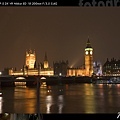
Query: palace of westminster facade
[{"x": 31, "y": 67}]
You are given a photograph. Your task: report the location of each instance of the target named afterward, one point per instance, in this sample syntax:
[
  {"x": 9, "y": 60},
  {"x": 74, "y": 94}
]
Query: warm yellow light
[
  {"x": 91, "y": 52},
  {"x": 43, "y": 84},
  {"x": 31, "y": 54},
  {"x": 43, "y": 78},
  {"x": 88, "y": 49},
  {"x": 20, "y": 78},
  {"x": 86, "y": 52},
  {"x": 48, "y": 73}
]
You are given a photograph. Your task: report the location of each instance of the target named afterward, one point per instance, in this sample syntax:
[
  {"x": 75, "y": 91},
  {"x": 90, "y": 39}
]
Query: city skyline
[{"x": 61, "y": 32}]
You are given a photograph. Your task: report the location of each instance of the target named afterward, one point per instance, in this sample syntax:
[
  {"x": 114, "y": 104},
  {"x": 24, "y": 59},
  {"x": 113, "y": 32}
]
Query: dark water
[{"x": 76, "y": 98}]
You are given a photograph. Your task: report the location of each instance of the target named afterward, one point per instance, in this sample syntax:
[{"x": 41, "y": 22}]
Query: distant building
[
  {"x": 111, "y": 67},
  {"x": 30, "y": 59},
  {"x": 60, "y": 68},
  {"x": 79, "y": 71},
  {"x": 45, "y": 67},
  {"x": 7, "y": 71},
  {"x": 97, "y": 68},
  {"x": 31, "y": 67}
]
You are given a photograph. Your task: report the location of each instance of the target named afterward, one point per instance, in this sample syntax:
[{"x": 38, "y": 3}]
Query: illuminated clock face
[
  {"x": 91, "y": 52},
  {"x": 86, "y": 52}
]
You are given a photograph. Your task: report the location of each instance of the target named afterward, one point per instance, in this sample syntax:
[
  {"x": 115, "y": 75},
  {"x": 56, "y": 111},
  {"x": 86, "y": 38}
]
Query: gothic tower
[
  {"x": 30, "y": 59},
  {"x": 46, "y": 65},
  {"x": 88, "y": 59}
]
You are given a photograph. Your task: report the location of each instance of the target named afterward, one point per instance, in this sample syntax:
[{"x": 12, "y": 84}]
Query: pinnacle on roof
[{"x": 88, "y": 44}]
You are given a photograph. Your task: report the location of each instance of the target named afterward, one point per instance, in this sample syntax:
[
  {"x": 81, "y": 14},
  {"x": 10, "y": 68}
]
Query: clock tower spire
[{"x": 88, "y": 59}]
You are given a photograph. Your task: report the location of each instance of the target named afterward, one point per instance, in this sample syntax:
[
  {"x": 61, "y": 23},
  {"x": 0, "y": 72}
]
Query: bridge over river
[
  {"x": 48, "y": 80},
  {"x": 52, "y": 80}
]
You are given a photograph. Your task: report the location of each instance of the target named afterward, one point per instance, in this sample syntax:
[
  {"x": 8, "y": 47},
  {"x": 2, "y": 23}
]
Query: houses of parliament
[{"x": 61, "y": 68}]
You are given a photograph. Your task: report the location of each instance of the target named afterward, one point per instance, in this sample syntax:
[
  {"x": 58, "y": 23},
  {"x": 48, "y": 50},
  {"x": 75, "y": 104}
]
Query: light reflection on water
[
  {"x": 1, "y": 100},
  {"x": 49, "y": 102},
  {"x": 77, "y": 98},
  {"x": 60, "y": 103}
]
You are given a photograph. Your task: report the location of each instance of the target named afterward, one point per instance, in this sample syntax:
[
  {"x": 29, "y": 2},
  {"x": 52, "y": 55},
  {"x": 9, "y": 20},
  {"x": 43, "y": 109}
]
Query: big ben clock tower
[{"x": 88, "y": 59}]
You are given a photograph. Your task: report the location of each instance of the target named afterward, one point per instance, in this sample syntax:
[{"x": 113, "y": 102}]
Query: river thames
[{"x": 68, "y": 98}]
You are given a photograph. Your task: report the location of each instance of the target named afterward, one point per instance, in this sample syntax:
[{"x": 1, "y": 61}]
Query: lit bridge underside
[
  {"x": 50, "y": 80},
  {"x": 32, "y": 80},
  {"x": 21, "y": 80}
]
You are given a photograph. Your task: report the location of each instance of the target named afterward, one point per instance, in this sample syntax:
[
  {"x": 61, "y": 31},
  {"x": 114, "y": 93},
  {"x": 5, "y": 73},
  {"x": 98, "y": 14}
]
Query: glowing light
[
  {"x": 43, "y": 84},
  {"x": 88, "y": 49},
  {"x": 30, "y": 60},
  {"x": 91, "y": 52},
  {"x": 60, "y": 103},
  {"x": 20, "y": 83},
  {"x": 86, "y": 52},
  {"x": 6, "y": 114},
  {"x": 48, "y": 107},
  {"x": 20, "y": 78},
  {"x": 1, "y": 104},
  {"x": 60, "y": 74},
  {"x": 49, "y": 90},
  {"x": 60, "y": 108},
  {"x": 48, "y": 103},
  {"x": 43, "y": 78},
  {"x": 48, "y": 73},
  {"x": 60, "y": 98}
]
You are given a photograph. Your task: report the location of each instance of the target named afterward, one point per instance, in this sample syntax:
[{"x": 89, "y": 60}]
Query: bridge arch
[
  {"x": 19, "y": 81},
  {"x": 20, "y": 78},
  {"x": 43, "y": 78}
]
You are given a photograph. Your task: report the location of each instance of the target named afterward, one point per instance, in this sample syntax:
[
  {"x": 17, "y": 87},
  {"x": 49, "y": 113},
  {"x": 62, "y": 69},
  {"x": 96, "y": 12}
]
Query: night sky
[{"x": 62, "y": 32}]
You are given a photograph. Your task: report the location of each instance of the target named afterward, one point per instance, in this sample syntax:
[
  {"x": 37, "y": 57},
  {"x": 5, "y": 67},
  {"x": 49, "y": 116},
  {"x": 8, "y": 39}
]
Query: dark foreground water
[{"x": 76, "y": 98}]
